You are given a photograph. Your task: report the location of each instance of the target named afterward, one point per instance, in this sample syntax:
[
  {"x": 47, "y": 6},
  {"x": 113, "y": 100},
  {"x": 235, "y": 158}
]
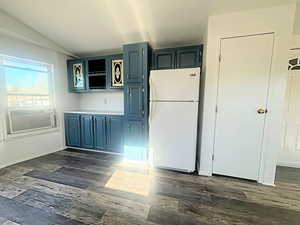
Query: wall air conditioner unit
[{"x": 24, "y": 120}]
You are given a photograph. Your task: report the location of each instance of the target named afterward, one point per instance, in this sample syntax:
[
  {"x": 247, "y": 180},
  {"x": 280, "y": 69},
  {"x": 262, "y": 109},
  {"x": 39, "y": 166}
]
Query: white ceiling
[{"x": 89, "y": 27}]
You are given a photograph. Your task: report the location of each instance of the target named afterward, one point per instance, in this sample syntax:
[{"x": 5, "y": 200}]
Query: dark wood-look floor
[{"x": 73, "y": 187}]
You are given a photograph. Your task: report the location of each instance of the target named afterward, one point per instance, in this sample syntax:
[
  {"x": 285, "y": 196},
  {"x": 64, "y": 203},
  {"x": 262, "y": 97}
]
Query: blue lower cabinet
[
  {"x": 114, "y": 131},
  {"x": 135, "y": 144},
  {"x": 72, "y": 130},
  {"x": 87, "y": 131},
  {"x": 100, "y": 132}
]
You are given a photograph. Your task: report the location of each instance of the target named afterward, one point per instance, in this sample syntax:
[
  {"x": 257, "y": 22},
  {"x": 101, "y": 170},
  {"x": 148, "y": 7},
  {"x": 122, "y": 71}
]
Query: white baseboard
[
  {"x": 294, "y": 165},
  {"x": 91, "y": 150},
  {"x": 268, "y": 184},
  {"x": 205, "y": 173},
  {"x": 30, "y": 158}
]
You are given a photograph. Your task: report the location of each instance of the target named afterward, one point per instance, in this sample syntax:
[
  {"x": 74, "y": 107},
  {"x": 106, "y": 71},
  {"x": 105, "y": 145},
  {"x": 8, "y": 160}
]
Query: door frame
[{"x": 262, "y": 151}]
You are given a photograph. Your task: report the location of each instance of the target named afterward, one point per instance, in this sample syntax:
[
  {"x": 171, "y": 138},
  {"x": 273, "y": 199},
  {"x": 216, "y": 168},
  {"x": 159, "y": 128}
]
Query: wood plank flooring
[{"x": 77, "y": 187}]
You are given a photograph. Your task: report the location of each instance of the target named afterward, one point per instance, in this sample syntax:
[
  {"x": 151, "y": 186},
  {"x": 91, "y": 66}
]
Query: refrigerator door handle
[
  {"x": 151, "y": 99},
  {"x": 150, "y": 114}
]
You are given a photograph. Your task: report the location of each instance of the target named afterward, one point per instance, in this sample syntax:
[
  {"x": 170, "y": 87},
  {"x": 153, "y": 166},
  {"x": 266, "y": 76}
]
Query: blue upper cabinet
[
  {"x": 77, "y": 75},
  {"x": 114, "y": 129},
  {"x": 72, "y": 130},
  {"x": 163, "y": 59},
  {"x": 189, "y": 57},
  {"x": 87, "y": 132},
  {"x": 100, "y": 132},
  {"x": 176, "y": 58},
  {"x": 103, "y": 73},
  {"x": 135, "y": 56}
]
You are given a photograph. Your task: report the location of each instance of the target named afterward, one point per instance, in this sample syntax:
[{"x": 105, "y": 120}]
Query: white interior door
[
  {"x": 173, "y": 135},
  {"x": 242, "y": 91},
  {"x": 290, "y": 154}
]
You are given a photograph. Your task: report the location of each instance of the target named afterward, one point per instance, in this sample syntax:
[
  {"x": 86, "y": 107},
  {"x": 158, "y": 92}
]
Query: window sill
[{"x": 31, "y": 133}]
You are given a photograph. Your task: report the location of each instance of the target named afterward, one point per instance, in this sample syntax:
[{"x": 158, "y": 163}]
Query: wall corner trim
[
  {"x": 204, "y": 173},
  {"x": 268, "y": 184}
]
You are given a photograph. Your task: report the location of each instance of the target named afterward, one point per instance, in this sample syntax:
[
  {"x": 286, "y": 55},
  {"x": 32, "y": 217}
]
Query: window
[{"x": 29, "y": 98}]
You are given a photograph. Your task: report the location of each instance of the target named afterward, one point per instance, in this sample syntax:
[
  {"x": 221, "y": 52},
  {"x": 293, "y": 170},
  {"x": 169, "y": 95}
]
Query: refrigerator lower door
[{"x": 173, "y": 135}]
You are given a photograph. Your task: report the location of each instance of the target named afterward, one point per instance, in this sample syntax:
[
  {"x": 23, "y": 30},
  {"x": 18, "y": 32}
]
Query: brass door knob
[{"x": 262, "y": 111}]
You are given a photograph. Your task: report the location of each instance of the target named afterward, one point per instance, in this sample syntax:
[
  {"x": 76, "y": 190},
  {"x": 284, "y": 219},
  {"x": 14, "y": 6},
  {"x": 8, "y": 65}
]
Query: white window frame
[{"x": 4, "y": 135}]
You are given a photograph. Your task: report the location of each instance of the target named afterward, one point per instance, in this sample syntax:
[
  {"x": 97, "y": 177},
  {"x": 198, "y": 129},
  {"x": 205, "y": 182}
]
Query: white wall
[
  {"x": 295, "y": 41},
  {"x": 102, "y": 101},
  {"x": 295, "y": 46},
  {"x": 290, "y": 152},
  {"x": 278, "y": 20},
  {"x": 201, "y": 98},
  {"x": 27, "y": 147}
]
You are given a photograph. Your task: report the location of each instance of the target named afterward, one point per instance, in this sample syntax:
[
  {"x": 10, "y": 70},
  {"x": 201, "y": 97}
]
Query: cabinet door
[
  {"x": 77, "y": 75},
  {"x": 188, "y": 57},
  {"x": 72, "y": 130},
  {"x": 109, "y": 66},
  {"x": 87, "y": 132},
  {"x": 100, "y": 132},
  {"x": 134, "y": 61},
  {"x": 134, "y": 132},
  {"x": 134, "y": 101},
  {"x": 163, "y": 59},
  {"x": 115, "y": 133},
  {"x": 135, "y": 144}
]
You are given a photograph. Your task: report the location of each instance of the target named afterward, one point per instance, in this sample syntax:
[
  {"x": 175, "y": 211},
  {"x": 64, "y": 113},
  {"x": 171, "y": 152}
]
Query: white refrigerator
[{"x": 173, "y": 118}]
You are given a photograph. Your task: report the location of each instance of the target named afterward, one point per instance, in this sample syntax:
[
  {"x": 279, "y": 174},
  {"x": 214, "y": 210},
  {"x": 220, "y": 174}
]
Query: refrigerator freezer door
[
  {"x": 175, "y": 85},
  {"x": 173, "y": 135}
]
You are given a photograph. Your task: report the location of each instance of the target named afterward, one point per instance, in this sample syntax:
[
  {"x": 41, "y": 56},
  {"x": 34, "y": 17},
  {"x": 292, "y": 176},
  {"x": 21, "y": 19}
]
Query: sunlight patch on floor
[
  {"x": 137, "y": 183},
  {"x": 134, "y": 164}
]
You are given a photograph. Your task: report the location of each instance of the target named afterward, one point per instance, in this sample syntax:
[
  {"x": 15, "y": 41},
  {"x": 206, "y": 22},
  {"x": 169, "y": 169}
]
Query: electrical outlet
[{"x": 105, "y": 101}]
